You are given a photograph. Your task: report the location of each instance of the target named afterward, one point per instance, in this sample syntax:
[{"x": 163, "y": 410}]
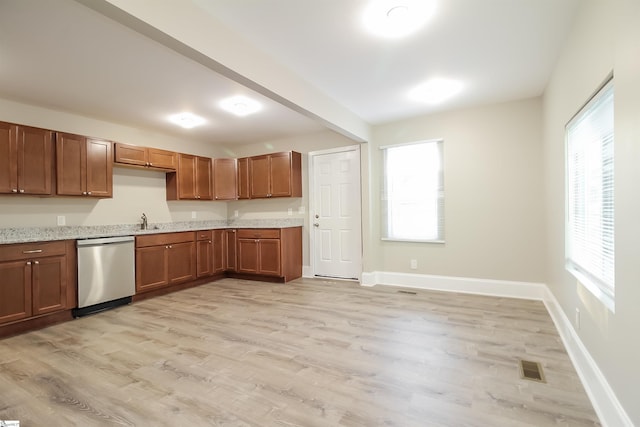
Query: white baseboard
[
  {"x": 307, "y": 271},
  {"x": 602, "y": 397}
]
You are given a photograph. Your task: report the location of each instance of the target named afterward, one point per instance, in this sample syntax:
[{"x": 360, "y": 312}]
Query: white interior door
[{"x": 335, "y": 213}]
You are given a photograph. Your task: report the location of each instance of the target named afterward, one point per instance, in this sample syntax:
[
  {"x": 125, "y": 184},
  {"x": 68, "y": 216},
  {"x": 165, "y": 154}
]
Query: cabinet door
[
  {"x": 131, "y": 155},
  {"x": 269, "y": 257},
  {"x": 181, "y": 262},
  {"x": 35, "y": 160},
  {"x": 49, "y": 284},
  {"x": 8, "y": 158},
  {"x": 224, "y": 179},
  {"x": 230, "y": 250},
  {"x": 99, "y": 169},
  {"x": 243, "y": 178},
  {"x": 151, "y": 268},
  {"x": 163, "y": 159},
  {"x": 248, "y": 256},
  {"x": 259, "y": 176},
  {"x": 15, "y": 291},
  {"x": 204, "y": 189},
  {"x": 204, "y": 254},
  {"x": 186, "y": 176},
  {"x": 71, "y": 165},
  {"x": 280, "y": 175},
  {"x": 218, "y": 254}
]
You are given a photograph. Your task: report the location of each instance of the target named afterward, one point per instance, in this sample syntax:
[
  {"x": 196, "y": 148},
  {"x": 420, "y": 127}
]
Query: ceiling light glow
[
  {"x": 397, "y": 18},
  {"x": 187, "y": 120},
  {"x": 436, "y": 90},
  {"x": 240, "y": 105}
]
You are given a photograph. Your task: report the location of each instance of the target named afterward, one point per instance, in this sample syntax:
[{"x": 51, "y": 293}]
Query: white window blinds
[
  {"x": 590, "y": 196},
  {"x": 413, "y": 192}
]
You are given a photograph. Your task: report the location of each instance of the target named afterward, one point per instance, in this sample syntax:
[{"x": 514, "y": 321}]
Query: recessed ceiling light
[
  {"x": 187, "y": 120},
  {"x": 397, "y": 18},
  {"x": 436, "y": 91},
  {"x": 240, "y": 105}
]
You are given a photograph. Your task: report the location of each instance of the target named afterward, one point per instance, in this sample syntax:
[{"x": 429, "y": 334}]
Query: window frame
[
  {"x": 440, "y": 238},
  {"x": 592, "y": 280}
]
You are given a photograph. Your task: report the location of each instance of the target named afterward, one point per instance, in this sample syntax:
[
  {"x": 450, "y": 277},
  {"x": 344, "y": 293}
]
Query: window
[
  {"x": 413, "y": 192},
  {"x": 590, "y": 208}
]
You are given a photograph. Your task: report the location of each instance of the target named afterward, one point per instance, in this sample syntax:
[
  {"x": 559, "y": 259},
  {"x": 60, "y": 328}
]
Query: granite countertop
[{"x": 41, "y": 234}]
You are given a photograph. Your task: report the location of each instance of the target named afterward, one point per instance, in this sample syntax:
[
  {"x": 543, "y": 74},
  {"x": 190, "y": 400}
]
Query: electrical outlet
[
  {"x": 414, "y": 264},
  {"x": 193, "y": 214},
  {"x": 290, "y": 211},
  {"x": 62, "y": 220},
  {"x": 301, "y": 210},
  {"x": 577, "y": 318}
]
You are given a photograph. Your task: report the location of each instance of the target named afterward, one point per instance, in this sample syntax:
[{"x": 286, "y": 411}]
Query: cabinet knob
[
  {"x": 36, "y": 262},
  {"x": 150, "y": 164},
  {"x": 170, "y": 247},
  {"x": 28, "y": 262},
  {"x": 84, "y": 193},
  {"x": 21, "y": 190},
  {"x": 256, "y": 240},
  {"x": 166, "y": 247},
  {"x": 89, "y": 193},
  {"x": 210, "y": 241},
  {"x": 14, "y": 190}
]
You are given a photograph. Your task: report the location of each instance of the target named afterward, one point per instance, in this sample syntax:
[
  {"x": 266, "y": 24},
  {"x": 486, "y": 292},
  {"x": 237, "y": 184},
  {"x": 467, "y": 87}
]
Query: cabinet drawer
[
  {"x": 31, "y": 250},
  {"x": 203, "y": 235},
  {"x": 258, "y": 233},
  {"x": 165, "y": 239}
]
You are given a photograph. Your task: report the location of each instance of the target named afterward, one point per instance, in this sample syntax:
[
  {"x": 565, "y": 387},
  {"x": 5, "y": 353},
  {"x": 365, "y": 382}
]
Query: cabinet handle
[
  {"x": 14, "y": 190},
  {"x": 33, "y": 251},
  {"x": 28, "y": 262},
  {"x": 21, "y": 190},
  {"x": 36, "y": 262}
]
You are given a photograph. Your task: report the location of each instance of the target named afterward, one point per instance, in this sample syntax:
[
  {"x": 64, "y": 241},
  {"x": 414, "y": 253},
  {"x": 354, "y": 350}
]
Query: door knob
[
  {"x": 317, "y": 216},
  {"x": 315, "y": 224}
]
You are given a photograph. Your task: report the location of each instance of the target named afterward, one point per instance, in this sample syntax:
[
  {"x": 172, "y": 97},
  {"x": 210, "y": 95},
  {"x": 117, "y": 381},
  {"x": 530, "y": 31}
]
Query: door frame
[{"x": 311, "y": 193}]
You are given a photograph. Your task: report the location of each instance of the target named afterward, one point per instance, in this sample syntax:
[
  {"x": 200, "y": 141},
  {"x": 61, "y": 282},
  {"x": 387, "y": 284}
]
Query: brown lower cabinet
[
  {"x": 270, "y": 252},
  {"x": 37, "y": 279},
  {"x": 165, "y": 259}
]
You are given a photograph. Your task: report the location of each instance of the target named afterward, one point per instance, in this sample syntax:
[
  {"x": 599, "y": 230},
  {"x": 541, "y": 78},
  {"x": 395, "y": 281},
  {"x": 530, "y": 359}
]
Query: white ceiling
[{"x": 62, "y": 55}]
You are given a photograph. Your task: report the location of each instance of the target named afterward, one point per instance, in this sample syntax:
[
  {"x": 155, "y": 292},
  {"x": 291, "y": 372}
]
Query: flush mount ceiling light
[
  {"x": 397, "y": 18},
  {"x": 436, "y": 91},
  {"x": 240, "y": 105},
  {"x": 187, "y": 120}
]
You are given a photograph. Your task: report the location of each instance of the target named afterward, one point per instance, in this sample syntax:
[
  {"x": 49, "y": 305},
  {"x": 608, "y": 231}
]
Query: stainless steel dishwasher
[{"x": 106, "y": 273}]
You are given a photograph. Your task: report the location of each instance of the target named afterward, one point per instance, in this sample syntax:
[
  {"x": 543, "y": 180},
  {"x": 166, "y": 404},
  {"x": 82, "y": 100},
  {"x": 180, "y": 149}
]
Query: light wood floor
[{"x": 308, "y": 353}]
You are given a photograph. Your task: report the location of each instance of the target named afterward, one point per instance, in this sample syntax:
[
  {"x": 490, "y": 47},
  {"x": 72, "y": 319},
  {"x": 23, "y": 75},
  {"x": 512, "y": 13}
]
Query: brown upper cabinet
[
  {"x": 26, "y": 160},
  {"x": 84, "y": 166},
  {"x": 192, "y": 180},
  {"x": 225, "y": 179},
  {"x": 275, "y": 175},
  {"x": 153, "y": 158}
]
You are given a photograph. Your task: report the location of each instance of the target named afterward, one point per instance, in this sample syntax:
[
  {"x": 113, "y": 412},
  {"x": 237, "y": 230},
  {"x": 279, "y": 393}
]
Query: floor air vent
[
  {"x": 407, "y": 292},
  {"x": 531, "y": 371}
]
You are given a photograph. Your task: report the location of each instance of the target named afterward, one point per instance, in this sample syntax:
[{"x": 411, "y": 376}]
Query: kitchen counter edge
[{"x": 46, "y": 234}]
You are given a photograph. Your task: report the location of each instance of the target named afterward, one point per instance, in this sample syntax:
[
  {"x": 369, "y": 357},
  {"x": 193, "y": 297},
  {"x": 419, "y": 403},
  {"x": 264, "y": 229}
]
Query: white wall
[
  {"x": 493, "y": 194},
  {"x": 134, "y": 191},
  {"x": 605, "y": 37}
]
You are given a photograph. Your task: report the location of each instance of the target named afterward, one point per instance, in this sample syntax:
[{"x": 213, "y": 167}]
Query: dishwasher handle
[{"x": 104, "y": 241}]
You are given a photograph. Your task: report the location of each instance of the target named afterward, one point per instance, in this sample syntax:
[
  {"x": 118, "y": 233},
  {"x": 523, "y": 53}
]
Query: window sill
[
  {"x": 392, "y": 239},
  {"x": 595, "y": 290}
]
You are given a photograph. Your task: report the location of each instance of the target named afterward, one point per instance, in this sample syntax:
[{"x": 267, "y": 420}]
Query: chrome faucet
[{"x": 144, "y": 222}]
